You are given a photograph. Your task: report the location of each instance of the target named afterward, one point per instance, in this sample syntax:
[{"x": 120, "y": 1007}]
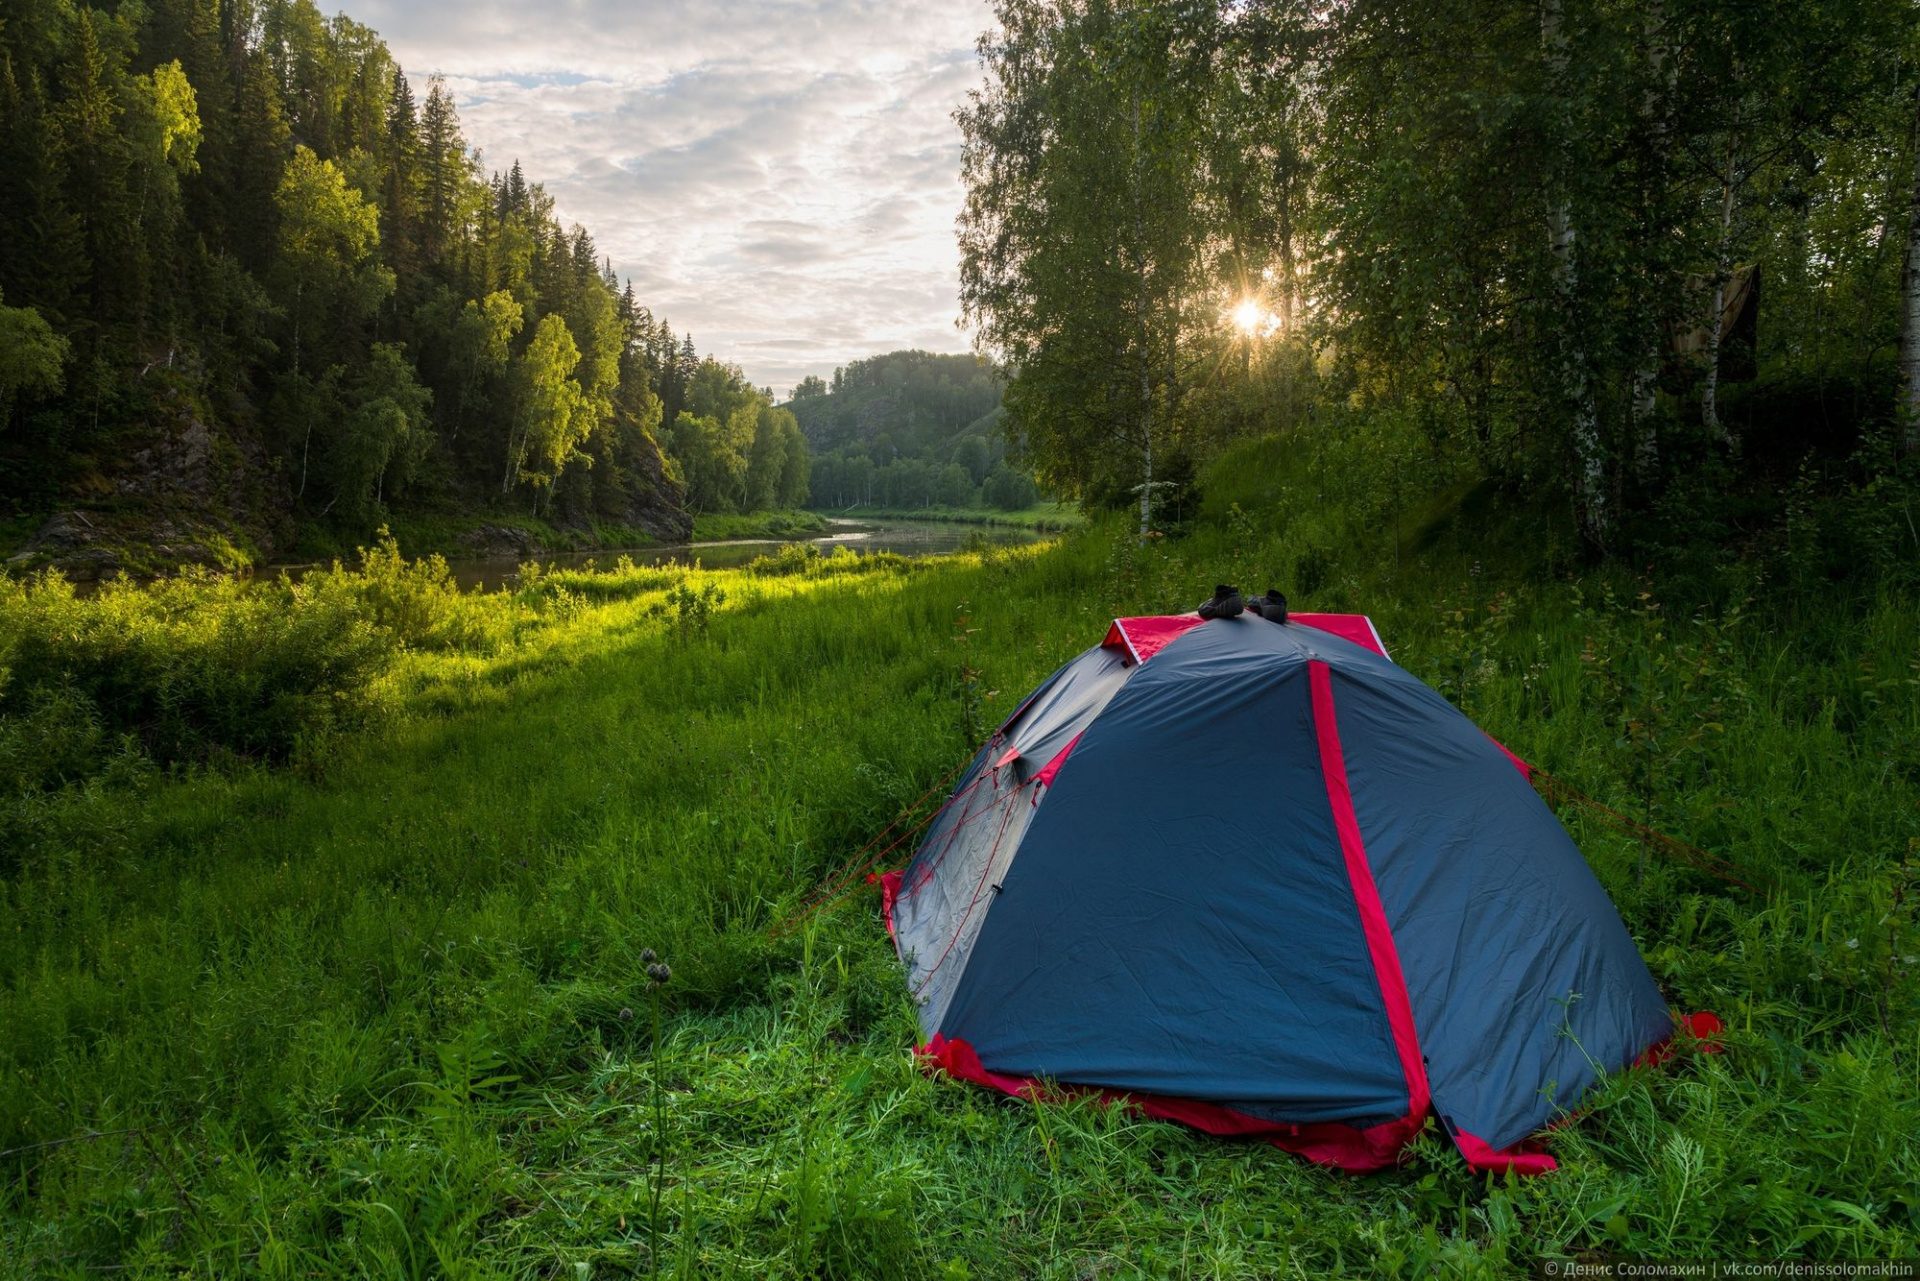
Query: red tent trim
[
  {"x": 889, "y": 891},
  {"x": 1524, "y": 1157},
  {"x": 1051, "y": 769},
  {"x": 1357, "y": 628},
  {"x": 1366, "y": 897},
  {"x": 1146, "y": 636},
  {"x": 1325, "y": 1142}
]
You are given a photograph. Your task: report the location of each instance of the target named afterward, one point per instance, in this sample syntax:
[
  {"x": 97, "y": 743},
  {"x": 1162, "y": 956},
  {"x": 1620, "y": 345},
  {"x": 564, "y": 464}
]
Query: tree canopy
[
  {"x": 1527, "y": 231},
  {"x": 250, "y": 214}
]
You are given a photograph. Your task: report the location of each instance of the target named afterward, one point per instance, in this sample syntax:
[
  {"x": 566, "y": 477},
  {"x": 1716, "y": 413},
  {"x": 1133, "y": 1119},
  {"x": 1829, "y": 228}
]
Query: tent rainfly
[{"x": 1257, "y": 878}]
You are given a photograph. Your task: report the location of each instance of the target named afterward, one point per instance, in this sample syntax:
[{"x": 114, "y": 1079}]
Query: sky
[{"x": 780, "y": 177}]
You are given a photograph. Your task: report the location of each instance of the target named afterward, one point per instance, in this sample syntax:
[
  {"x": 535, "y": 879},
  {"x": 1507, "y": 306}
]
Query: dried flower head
[
  {"x": 647, "y": 957},
  {"x": 659, "y": 973},
  {"x": 626, "y": 1014}
]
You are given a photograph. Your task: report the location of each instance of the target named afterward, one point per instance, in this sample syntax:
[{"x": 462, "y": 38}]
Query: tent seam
[{"x": 1381, "y": 947}]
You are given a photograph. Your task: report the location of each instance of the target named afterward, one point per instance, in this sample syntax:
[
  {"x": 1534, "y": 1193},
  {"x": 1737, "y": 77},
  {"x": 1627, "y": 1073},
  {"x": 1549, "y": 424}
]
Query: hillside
[
  {"x": 907, "y": 431},
  {"x": 255, "y": 291},
  {"x": 391, "y": 1002},
  {"x": 910, "y": 403}
]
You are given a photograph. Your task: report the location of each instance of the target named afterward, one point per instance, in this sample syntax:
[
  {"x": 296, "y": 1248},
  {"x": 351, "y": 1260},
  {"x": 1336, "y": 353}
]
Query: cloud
[{"x": 779, "y": 177}]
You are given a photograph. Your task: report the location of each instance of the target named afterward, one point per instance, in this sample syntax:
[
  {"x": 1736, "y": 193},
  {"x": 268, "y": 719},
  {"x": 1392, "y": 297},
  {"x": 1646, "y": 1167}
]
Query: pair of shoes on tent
[
  {"x": 1226, "y": 603},
  {"x": 1272, "y": 606}
]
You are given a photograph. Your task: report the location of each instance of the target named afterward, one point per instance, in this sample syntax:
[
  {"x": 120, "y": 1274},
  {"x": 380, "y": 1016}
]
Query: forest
[
  {"x": 1653, "y": 258},
  {"x": 254, "y": 285},
  {"x": 358, "y": 922},
  {"x": 910, "y": 430}
]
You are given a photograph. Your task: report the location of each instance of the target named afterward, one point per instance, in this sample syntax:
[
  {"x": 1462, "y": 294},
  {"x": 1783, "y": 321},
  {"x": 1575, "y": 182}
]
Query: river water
[{"x": 908, "y": 538}]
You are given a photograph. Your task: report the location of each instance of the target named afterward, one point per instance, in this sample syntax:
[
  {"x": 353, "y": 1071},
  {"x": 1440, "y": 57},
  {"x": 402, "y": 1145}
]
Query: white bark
[
  {"x": 1910, "y": 301},
  {"x": 513, "y": 460},
  {"x": 1722, "y": 271},
  {"x": 1662, "y": 73},
  {"x": 1146, "y": 355},
  {"x": 1574, "y": 383}
]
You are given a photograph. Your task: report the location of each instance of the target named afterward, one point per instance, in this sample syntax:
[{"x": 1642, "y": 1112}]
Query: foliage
[
  {"x": 910, "y": 430},
  {"x": 415, "y": 602},
  {"x": 911, "y": 403},
  {"x": 807, "y": 559},
  {"x": 736, "y": 450},
  {"x": 192, "y": 668},
  {"x": 553, "y": 421},
  {"x": 255, "y": 203},
  {"x": 1077, "y": 156},
  {"x": 410, "y": 976},
  {"x": 32, "y": 359},
  {"x": 691, "y": 611},
  {"x": 1505, "y": 225}
]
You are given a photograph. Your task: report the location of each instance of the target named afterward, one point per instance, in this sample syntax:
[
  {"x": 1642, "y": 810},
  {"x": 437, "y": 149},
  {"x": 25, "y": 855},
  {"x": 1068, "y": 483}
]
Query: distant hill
[
  {"x": 908, "y": 430},
  {"x": 905, "y": 404}
]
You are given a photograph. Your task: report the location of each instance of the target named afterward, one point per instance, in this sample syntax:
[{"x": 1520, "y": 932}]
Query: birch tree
[
  {"x": 1081, "y": 246},
  {"x": 1910, "y": 293},
  {"x": 1575, "y": 384}
]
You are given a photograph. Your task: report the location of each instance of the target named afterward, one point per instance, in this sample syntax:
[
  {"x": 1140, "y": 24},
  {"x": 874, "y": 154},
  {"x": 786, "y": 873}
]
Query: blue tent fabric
[{"x": 1172, "y": 917}]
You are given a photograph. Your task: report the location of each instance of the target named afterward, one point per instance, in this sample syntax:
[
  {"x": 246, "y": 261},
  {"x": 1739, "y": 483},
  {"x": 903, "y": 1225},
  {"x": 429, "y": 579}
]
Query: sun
[{"x": 1250, "y": 318}]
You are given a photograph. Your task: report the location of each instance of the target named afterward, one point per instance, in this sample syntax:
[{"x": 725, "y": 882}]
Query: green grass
[
  {"x": 1043, "y": 517},
  {"x": 715, "y": 527},
  {"x": 429, "y": 532},
  {"x": 384, "y": 1011}
]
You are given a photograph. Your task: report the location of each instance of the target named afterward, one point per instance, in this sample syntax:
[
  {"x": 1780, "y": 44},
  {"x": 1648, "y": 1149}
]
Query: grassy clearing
[
  {"x": 1044, "y": 517},
  {"x": 428, "y": 532},
  {"x": 383, "y": 1011}
]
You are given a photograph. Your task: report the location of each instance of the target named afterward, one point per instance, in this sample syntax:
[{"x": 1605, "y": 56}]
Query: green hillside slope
[{"x": 386, "y": 1008}]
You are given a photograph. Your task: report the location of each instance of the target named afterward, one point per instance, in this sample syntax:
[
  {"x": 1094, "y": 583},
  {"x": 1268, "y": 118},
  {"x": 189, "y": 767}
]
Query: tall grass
[{"x": 376, "y": 1014}]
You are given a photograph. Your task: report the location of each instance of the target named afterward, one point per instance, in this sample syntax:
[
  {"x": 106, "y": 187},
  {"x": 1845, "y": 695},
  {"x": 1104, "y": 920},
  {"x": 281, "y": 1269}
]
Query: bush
[
  {"x": 793, "y": 558},
  {"x": 807, "y": 559},
  {"x": 190, "y": 668},
  {"x": 416, "y": 603}
]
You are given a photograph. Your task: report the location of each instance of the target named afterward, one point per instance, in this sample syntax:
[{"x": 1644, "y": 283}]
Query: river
[{"x": 908, "y": 538}]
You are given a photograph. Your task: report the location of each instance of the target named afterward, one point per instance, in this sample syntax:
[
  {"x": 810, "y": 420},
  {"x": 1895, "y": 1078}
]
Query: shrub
[
  {"x": 416, "y": 602},
  {"x": 191, "y": 668},
  {"x": 793, "y": 558}
]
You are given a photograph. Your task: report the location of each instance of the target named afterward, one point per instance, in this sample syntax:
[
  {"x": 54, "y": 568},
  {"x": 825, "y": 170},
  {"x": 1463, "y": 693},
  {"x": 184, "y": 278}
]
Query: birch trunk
[
  {"x": 1662, "y": 73},
  {"x": 1910, "y": 302},
  {"x": 1722, "y": 270},
  {"x": 1574, "y": 384},
  {"x": 1288, "y": 165},
  {"x": 513, "y": 462},
  {"x": 1140, "y": 318},
  {"x": 1146, "y": 455}
]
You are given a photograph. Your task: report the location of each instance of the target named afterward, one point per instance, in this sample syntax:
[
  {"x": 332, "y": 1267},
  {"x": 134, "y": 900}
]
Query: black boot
[
  {"x": 1272, "y": 606},
  {"x": 1226, "y": 603}
]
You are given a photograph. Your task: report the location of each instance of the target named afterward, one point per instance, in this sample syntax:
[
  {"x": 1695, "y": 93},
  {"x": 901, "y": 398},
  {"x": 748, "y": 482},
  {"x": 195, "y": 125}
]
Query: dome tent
[{"x": 1256, "y": 877}]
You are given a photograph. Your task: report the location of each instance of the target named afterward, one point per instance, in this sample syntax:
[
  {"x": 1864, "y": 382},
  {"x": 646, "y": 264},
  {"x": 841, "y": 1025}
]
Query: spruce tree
[{"x": 399, "y": 206}]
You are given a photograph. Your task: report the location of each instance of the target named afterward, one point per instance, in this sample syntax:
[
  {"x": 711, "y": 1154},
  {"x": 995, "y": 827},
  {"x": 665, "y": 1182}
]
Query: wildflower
[
  {"x": 647, "y": 956},
  {"x": 626, "y": 1014},
  {"x": 659, "y": 973}
]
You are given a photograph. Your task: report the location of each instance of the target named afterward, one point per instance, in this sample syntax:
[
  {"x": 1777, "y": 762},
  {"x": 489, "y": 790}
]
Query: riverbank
[
  {"x": 712, "y": 527},
  {"x": 1044, "y": 518},
  {"x": 384, "y": 1006}
]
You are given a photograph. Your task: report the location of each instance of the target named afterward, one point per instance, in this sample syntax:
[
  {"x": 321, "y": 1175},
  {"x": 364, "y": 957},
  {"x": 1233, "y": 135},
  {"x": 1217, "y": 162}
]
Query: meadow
[
  {"x": 1043, "y": 517},
  {"x": 349, "y": 976}
]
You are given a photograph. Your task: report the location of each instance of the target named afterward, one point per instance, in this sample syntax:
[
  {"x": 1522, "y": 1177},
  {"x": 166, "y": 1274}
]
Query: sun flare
[{"x": 1251, "y": 319}]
